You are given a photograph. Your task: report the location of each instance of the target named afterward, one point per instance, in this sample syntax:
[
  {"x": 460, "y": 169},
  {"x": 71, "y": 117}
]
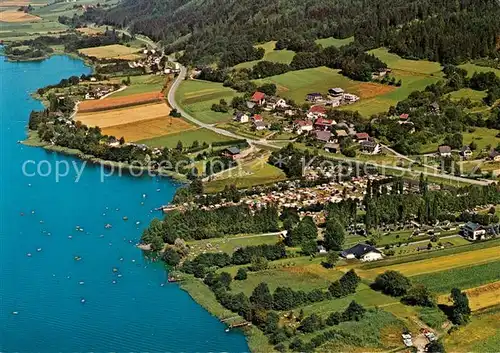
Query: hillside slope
[{"x": 419, "y": 28}]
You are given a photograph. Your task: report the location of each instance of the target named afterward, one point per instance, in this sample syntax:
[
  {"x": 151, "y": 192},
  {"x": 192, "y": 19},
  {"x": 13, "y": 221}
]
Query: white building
[{"x": 362, "y": 252}]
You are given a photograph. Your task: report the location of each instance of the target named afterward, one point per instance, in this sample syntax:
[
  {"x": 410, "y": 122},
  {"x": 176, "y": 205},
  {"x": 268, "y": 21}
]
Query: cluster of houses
[
  {"x": 266, "y": 103},
  {"x": 331, "y": 133},
  {"x": 335, "y": 98},
  {"x": 156, "y": 61},
  {"x": 98, "y": 91}
]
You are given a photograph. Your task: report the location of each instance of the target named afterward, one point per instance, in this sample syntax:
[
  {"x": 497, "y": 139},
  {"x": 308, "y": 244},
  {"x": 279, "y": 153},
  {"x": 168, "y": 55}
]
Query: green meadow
[
  {"x": 474, "y": 96},
  {"x": 196, "y": 97},
  {"x": 142, "y": 84},
  {"x": 279, "y": 56},
  {"x": 472, "y": 68},
  {"x": 186, "y": 137},
  {"x": 334, "y": 42}
]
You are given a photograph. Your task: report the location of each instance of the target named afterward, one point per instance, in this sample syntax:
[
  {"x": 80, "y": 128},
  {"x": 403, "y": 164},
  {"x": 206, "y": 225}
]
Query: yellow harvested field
[
  {"x": 89, "y": 31},
  {"x": 147, "y": 129},
  {"x": 114, "y": 51},
  {"x": 437, "y": 264},
  {"x": 17, "y": 16},
  {"x": 124, "y": 116},
  {"x": 479, "y": 297}
]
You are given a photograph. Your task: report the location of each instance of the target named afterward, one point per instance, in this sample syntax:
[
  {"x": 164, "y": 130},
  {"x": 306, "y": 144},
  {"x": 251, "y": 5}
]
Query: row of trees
[{"x": 198, "y": 224}]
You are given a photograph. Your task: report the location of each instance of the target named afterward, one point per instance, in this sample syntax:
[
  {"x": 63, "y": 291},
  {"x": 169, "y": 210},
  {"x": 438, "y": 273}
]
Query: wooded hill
[{"x": 209, "y": 29}]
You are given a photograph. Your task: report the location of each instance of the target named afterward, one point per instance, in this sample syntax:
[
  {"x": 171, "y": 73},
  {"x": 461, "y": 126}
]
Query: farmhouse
[
  {"x": 350, "y": 98},
  {"x": 370, "y": 147},
  {"x": 473, "y": 231},
  {"x": 241, "y": 117},
  {"x": 324, "y": 136},
  {"x": 316, "y": 111},
  {"x": 259, "y": 125},
  {"x": 444, "y": 151},
  {"x": 362, "y": 252},
  {"x": 466, "y": 152},
  {"x": 314, "y": 97},
  {"x": 303, "y": 126},
  {"x": 336, "y": 92},
  {"x": 257, "y": 117},
  {"x": 274, "y": 103},
  {"x": 258, "y": 98},
  {"x": 332, "y": 147},
  {"x": 232, "y": 152},
  {"x": 494, "y": 155},
  {"x": 323, "y": 124},
  {"x": 362, "y": 136},
  {"x": 341, "y": 133}
]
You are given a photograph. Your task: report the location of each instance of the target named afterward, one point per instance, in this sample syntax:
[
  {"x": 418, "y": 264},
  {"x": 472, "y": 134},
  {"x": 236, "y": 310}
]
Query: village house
[
  {"x": 274, "y": 103},
  {"x": 303, "y": 126},
  {"x": 380, "y": 73},
  {"x": 362, "y": 252},
  {"x": 260, "y": 125},
  {"x": 362, "y": 136},
  {"x": 336, "y": 92},
  {"x": 232, "y": 152},
  {"x": 241, "y": 117},
  {"x": 494, "y": 155},
  {"x": 314, "y": 97},
  {"x": 474, "y": 231},
  {"x": 370, "y": 147},
  {"x": 323, "y": 124},
  {"x": 332, "y": 147},
  {"x": 466, "y": 152},
  {"x": 350, "y": 98},
  {"x": 341, "y": 133},
  {"x": 258, "y": 98},
  {"x": 335, "y": 102},
  {"x": 444, "y": 151},
  {"x": 435, "y": 107},
  {"x": 316, "y": 111},
  {"x": 323, "y": 136}
]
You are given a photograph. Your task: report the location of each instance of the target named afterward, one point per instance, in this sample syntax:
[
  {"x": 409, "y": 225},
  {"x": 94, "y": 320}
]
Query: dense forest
[{"x": 208, "y": 30}]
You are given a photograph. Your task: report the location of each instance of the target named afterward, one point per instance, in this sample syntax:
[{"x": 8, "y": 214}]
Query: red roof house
[
  {"x": 258, "y": 97},
  {"x": 257, "y": 117},
  {"x": 317, "y": 109},
  {"x": 403, "y": 116},
  {"x": 362, "y": 136},
  {"x": 323, "y": 122}
]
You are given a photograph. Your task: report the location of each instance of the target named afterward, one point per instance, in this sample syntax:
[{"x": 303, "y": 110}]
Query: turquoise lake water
[{"x": 39, "y": 216}]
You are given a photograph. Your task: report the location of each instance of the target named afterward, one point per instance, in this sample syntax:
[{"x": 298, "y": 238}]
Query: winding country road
[{"x": 264, "y": 142}]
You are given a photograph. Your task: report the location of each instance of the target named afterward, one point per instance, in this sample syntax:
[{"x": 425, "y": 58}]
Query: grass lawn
[
  {"x": 433, "y": 317},
  {"x": 480, "y": 335},
  {"x": 229, "y": 244},
  {"x": 142, "y": 84},
  {"x": 330, "y": 41},
  {"x": 465, "y": 277},
  {"x": 379, "y": 330},
  {"x": 187, "y": 138},
  {"x": 254, "y": 172},
  {"x": 482, "y": 137},
  {"x": 396, "y": 62},
  {"x": 196, "y": 97},
  {"x": 279, "y": 56},
  {"x": 297, "y": 84},
  {"x": 474, "y": 96}
]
